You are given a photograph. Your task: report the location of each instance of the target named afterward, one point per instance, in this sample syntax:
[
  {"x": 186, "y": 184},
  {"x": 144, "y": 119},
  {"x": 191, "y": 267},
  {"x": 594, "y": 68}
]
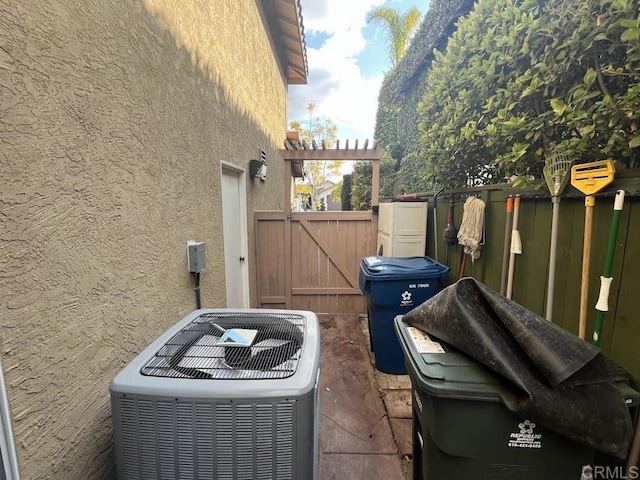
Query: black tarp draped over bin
[{"x": 559, "y": 381}]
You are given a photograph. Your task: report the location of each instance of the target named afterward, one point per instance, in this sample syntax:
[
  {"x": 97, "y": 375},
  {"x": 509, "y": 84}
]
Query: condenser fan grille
[{"x": 194, "y": 351}]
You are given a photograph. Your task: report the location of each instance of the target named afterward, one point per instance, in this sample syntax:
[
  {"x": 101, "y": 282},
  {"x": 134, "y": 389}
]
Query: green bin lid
[
  {"x": 449, "y": 373},
  {"x": 439, "y": 370}
]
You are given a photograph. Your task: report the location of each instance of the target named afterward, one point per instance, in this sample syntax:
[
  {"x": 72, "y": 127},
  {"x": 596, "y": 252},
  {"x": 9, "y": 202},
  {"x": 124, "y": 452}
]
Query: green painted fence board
[{"x": 569, "y": 264}]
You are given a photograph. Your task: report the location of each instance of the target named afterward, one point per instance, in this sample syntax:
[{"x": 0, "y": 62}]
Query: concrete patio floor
[{"x": 365, "y": 415}]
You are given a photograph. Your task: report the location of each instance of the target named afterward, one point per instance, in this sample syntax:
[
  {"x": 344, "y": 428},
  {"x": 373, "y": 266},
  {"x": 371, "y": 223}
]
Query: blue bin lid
[
  {"x": 393, "y": 268},
  {"x": 400, "y": 268}
]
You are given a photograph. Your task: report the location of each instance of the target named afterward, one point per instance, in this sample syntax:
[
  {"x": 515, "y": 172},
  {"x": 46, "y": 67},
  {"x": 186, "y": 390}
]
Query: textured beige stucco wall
[{"x": 115, "y": 117}]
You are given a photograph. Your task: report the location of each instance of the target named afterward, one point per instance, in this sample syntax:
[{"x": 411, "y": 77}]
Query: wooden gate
[{"x": 311, "y": 260}]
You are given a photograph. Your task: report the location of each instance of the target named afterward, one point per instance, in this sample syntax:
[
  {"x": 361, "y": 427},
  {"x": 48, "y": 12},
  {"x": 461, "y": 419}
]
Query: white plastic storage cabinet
[{"x": 402, "y": 229}]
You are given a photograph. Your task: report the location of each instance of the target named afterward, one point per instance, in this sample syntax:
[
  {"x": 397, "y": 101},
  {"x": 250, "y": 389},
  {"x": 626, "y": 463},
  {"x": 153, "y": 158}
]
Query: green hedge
[
  {"x": 521, "y": 79},
  {"x": 518, "y": 79},
  {"x": 361, "y": 182},
  {"x": 396, "y": 118},
  {"x": 437, "y": 25},
  {"x": 345, "y": 193}
]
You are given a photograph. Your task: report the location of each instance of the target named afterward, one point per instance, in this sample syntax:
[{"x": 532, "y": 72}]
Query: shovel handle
[{"x": 589, "y": 202}]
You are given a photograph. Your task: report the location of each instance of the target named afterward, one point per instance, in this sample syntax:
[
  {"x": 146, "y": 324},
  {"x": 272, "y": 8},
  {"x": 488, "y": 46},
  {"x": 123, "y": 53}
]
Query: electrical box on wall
[{"x": 195, "y": 256}]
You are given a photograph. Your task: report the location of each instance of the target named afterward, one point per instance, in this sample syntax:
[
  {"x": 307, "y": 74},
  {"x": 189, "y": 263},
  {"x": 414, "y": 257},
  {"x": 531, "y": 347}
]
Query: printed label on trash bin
[
  {"x": 423, "y": 342},
  {"x": 405, "y": 299},
  {"x": 526, "y": 437}
]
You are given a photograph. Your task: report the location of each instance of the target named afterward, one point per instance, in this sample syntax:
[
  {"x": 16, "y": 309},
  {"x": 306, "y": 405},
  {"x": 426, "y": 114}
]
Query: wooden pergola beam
[
  {"x": 297, "y": 151},
  {"x": 332, "y": 154}
]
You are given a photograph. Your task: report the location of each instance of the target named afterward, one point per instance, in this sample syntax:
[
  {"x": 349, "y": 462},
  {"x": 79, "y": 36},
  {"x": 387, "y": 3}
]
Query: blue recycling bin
[{"x": 394, "y": 286}]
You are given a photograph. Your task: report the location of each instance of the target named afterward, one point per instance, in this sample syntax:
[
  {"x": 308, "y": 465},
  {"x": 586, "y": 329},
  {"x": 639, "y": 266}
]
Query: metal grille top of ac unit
[{"x": 195, "y": 352}]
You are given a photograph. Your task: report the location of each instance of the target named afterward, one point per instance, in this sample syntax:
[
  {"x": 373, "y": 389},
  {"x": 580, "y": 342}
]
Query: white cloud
[{"x": 335, "y": 83}]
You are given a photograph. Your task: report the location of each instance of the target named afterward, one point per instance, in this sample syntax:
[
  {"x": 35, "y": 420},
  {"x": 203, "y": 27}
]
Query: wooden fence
[
  {"x": 311, "y": 260},
  {"x": 621, "y": 333}
]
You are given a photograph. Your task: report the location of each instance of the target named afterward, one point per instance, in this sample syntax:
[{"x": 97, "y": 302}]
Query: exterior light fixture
[{"x": 258, "y": 168}]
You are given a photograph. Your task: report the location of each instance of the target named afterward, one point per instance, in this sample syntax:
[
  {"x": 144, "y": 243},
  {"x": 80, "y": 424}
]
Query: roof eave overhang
[{"x": 289, "y": 33}]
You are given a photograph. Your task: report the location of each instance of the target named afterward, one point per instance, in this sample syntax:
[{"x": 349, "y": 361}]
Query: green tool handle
[{"x": 606, "y": 279}]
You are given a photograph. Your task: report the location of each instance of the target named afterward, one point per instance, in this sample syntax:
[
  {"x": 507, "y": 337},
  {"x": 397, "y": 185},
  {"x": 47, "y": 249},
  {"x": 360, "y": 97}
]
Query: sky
[{"x": 347, "y": 60}]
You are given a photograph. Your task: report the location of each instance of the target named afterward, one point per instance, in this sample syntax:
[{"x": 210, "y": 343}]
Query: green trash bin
[{"x": 461, "y": 430}]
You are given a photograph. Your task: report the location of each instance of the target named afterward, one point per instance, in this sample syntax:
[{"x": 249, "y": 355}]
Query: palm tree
[
  {"x": 399, "y": 29},
  {"x": 311, "y": 107}
]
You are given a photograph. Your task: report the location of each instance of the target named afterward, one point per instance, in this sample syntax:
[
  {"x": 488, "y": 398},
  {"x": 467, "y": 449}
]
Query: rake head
[{"x": 556, "y": 172}]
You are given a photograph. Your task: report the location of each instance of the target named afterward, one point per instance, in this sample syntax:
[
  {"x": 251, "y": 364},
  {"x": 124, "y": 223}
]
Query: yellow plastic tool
[
  {"x": 589, "y": 178},
  {"x": 592, "y": 177}
]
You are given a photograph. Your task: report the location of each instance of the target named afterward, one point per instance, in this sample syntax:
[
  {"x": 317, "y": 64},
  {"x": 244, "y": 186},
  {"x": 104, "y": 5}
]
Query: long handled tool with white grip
[
  {"x": 516, "y": 245},
  {"x": 507, "y": 245},
  {"x": 606, "y": 279},
  {"x": 589, "y": 178}
]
